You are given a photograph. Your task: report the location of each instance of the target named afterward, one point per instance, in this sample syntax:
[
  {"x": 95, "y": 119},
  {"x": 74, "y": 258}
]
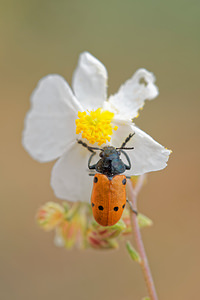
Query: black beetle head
[{"x": 109, "y": 151}]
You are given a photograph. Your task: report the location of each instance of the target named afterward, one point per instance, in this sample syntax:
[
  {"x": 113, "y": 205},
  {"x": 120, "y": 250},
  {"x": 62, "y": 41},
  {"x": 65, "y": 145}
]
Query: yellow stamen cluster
[{"x": 95, "y": 126}]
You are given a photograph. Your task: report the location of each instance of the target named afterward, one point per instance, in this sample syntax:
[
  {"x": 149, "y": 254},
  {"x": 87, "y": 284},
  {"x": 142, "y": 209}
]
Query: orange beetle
[{"x": 108, "y": 198}]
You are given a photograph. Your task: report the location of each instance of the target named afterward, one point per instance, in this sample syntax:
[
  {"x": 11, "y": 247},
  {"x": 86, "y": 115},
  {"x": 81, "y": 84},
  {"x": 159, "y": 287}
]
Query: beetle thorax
[{"x": 110, "y": 163}]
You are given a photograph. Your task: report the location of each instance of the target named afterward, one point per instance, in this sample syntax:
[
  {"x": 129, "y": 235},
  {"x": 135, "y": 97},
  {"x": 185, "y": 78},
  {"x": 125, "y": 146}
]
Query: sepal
[{"x": 134, "y": 255}]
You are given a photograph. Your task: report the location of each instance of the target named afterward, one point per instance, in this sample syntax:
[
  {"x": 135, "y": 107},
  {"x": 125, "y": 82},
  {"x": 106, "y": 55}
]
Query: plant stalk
[{"x": 132, "y": 196}]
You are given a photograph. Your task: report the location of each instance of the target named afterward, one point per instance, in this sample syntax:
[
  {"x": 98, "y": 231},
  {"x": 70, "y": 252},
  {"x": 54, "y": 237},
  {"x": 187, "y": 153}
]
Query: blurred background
[{"x": 42, "y": 37}]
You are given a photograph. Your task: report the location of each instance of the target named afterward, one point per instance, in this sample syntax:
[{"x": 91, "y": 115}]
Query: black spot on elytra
[
  {"x": 92, "y": 204},
  {"x": 95, "y": 179},
  {"x": 124, "y": 181},
  {"x": 123, "y": 206},
  {"x": 100, "y": 207},
  {"x": 116, "y": 208}
]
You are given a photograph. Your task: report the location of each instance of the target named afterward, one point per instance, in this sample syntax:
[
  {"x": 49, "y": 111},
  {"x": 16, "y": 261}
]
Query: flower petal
[
  {"x": 147, "y": 155},
  {"x": 90, "y": 82},
  {"x": 132, "y": 94},
  {"x": 50, "y": 123},
  {"x": 70, "y": 178}
]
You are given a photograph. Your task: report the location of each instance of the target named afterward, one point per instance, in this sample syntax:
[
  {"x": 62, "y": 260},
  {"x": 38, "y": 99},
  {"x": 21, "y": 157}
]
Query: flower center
[{"x": 95, "y": 126}]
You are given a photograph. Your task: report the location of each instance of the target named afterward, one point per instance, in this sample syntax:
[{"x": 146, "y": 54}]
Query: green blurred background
[{"x": 42, "y": 37}]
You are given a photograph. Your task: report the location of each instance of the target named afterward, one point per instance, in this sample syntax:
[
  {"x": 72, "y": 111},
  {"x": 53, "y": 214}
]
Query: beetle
[{"x": 108, "y": 197}]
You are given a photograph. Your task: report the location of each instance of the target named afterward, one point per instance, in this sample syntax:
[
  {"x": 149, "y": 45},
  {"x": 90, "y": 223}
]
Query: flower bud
[
  {"x": 100, "y": 237},
  {"x": 50, "y": 215},
  {"x": 72, "y": 230},
  {"x": 144, "y": 221}
]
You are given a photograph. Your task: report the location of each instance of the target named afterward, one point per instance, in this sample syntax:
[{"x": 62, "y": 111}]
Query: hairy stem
[{"x": 132, "y": 196}]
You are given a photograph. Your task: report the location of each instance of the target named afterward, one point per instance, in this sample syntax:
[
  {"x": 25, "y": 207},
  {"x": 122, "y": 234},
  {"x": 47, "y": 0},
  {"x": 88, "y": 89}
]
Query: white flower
[{"x": 50, "y": 127}]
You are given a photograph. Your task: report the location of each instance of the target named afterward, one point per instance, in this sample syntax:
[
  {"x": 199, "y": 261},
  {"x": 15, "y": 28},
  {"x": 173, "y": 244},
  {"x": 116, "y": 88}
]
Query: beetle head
[{"x": 109, "y": 151}]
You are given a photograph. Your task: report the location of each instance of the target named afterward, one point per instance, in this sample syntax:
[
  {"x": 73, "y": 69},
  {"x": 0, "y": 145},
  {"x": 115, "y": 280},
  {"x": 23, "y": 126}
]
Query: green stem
[{"x": 132, "y": 196}]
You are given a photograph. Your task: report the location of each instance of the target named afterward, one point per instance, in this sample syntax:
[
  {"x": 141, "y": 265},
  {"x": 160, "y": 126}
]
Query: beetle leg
[
  {"x": 131, "y": 207},
  {"x": 128, "y": 160},
  {"x": 91, "y": 167},
  {"x": 91, "y": 174}
]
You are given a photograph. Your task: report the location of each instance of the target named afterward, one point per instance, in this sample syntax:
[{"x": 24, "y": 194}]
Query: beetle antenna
[
  {"x": 88, "y": 147},
  {"x": 95, "y": 148},
  {"x": 85, "y": 145},
  {"x": 127, "y": 140},
  {"x": 125, "y": 148}
]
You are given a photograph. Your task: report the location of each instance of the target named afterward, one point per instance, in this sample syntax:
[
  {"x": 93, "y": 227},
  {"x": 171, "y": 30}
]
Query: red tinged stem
[{"x": 132, "y": 196}]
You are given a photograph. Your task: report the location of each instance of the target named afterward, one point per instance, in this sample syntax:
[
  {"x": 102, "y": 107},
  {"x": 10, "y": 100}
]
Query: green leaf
[
  {"x": 133, "y": 253},
  {"x": 144, "y": 221}
]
